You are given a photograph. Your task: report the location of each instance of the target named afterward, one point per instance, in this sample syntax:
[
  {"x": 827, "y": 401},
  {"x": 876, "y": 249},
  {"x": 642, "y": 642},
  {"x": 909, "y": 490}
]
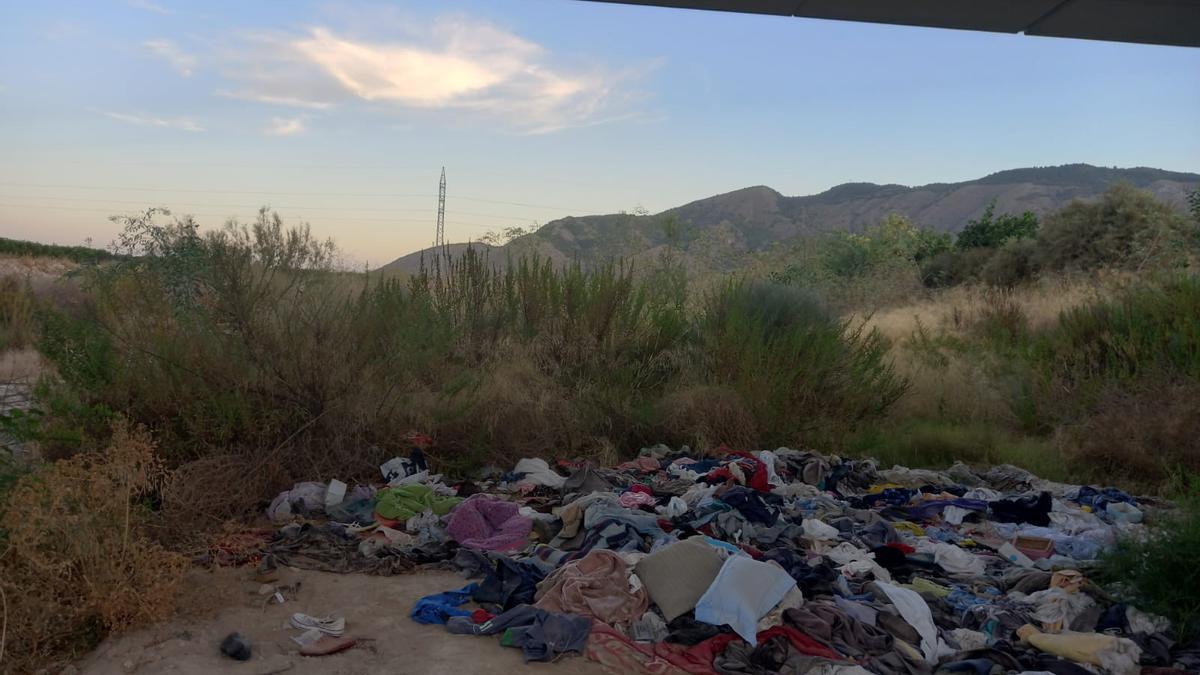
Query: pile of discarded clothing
[{"x": 781, "y": 561}]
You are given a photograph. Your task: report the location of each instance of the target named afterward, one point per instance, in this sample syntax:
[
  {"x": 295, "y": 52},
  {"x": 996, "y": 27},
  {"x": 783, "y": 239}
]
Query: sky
[{"x": 341, "y": 115}]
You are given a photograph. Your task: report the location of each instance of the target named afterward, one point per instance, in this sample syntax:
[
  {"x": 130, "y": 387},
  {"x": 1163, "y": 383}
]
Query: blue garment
[
  {"x": 962, "y": 600},
  {"x": 743, "y": 592},
  {"x": 750, "y": 504},
  {"x": 439, "y": 607},
  {"x": 889, "y": 496},
  {"x": 1099, "y": 499},
  {"x": 925, "y": 510}
]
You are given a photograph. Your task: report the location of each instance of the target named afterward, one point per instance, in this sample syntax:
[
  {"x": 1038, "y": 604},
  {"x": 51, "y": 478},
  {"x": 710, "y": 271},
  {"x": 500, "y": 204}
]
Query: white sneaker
[{"x": 330, "y": 625}]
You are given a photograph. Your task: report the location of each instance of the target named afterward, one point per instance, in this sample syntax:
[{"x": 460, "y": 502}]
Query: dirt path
[{"x": 376, "y": 611}]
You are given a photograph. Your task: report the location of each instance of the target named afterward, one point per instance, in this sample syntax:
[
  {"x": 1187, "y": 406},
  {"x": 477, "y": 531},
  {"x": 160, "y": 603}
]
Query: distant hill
[
  {"x": 719, "y": 231},
  {"x": 411, "y": 263},
  {"x": 79, "y": 254}
]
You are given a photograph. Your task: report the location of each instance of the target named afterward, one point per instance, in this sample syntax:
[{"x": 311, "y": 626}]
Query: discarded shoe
[
  {"x": 327, "y": 645},
  {"x": 330, "y": 625}
]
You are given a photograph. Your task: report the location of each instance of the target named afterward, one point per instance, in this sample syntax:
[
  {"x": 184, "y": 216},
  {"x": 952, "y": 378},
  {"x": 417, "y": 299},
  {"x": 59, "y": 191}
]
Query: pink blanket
[{"x": 490, "y": 524}]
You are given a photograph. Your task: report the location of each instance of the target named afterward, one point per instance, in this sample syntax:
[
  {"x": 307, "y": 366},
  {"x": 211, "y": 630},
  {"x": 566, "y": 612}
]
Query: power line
[
  {"x": 295, "y": 194},
  {"x": 227, "y": 215},
  {"x": 272, "y": 206}
]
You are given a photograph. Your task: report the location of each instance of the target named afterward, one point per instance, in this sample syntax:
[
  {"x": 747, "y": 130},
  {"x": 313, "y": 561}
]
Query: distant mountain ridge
[{"x": 721, "y": 230}]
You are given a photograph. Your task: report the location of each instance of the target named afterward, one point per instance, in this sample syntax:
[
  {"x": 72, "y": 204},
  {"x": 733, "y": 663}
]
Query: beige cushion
[{"x": 678, "y": 575}]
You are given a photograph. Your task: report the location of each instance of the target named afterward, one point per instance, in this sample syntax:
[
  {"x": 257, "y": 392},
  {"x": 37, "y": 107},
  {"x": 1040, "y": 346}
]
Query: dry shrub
[
  {"x": 512, "y": 408},
  {"x": 936, "y": 343},
  {"x": 707, "y": 417},
  {"x": 17, "y": 325},
  {"x": 1146, "y": 433},
  {"x": 77, "y": 563},
  {"x": 956, "y": 388},
  {"x": 1001, "y": 318},
  {"x": 205, "y": 493},
  {"x": 953, "y": 310}
]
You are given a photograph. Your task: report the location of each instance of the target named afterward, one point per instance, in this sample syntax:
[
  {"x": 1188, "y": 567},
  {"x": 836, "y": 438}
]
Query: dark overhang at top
[{"x": 1161, "y": 22}]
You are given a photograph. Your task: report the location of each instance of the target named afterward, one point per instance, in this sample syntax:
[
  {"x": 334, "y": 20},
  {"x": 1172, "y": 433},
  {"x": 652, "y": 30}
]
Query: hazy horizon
[{"x": 343, "y": 116}]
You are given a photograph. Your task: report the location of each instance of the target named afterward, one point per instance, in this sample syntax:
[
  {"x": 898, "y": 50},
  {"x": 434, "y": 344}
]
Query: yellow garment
[
  {"x": 876, "y": 489},
  {"x": 1078, "y": 647},
  {"x": 908, "y": 651},
  {"x": 926, "y": 587},
  {"x": 909, "y": 527}
]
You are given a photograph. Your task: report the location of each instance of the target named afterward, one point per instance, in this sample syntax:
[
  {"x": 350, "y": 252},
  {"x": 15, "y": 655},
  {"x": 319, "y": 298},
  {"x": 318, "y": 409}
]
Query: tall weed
[{"x": 801, "y": 373}]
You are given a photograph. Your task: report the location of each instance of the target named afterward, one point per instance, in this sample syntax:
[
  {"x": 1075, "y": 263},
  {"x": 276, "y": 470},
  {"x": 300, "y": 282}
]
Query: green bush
[
  {"x": 1145, "y": 338},
  {"x": 992, "y": 231},
  {"x": 877, "y": 267},
  {"x": 952, "y": 268},
  {"x": 1159, "y": 574},
  {"x": 1148, "y": 329},
  {"x": 1126, "y": 227},
  {"x": 1011, "y": 264},
  {"x": 801, "y": 372}
]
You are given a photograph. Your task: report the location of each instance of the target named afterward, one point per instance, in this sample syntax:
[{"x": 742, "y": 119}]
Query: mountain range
[{"x": 719, "y": 232}]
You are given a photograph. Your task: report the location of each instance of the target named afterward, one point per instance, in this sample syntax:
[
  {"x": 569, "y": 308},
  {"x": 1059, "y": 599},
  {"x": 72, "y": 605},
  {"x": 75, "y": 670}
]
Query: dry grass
[
  {"x": 957, "y": 385},
  {"x": 77, "y": 563},
  {"x": 953, "y": 311},
  {"x": 17, "y": 324},
  {"x": 959, "y": 388},
  {"x": 708, "y": 417}
]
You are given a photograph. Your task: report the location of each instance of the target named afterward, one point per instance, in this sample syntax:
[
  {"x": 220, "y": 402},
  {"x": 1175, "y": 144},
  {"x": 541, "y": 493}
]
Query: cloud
[
  {"x": 179, "y": 123},
  {"x": 148, "y": 6},
  {"x": 182, "y": 62},
  {"x": 285, "y": 126},
  {"x": 453, "y": 64},
  {"x": 288, "y": 101}
]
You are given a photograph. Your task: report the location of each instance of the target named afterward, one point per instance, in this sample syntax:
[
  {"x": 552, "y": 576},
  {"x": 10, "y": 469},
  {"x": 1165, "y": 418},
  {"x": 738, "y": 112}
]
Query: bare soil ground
[{"x": 224, "y": 600}]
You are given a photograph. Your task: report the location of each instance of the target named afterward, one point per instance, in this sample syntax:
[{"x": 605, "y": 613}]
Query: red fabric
[
  {"x": 803, "y": 643},
  {"x": 682, "y": 658},
  {"x": 754, "y": 470},
  {"x": 614, "y": 649},
  {"x": 481, "y": 616},
  {"x": 666, "y": 525},
  {"x": 705, "y": 652},
  {"x": 903, "y": 548},
  {"x": 639, "y": 487},
  {"x": 751, "y": 551},
  {"x": 617, "y": 653}
]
